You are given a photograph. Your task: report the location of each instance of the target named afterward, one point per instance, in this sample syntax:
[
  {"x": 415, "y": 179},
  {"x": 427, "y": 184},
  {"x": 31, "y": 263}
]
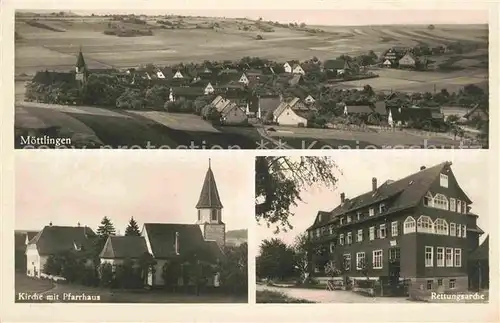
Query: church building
[{"x": 170, "y": 243}]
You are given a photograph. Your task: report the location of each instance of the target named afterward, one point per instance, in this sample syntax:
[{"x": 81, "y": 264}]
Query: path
[{"x": 324, "y": 296}]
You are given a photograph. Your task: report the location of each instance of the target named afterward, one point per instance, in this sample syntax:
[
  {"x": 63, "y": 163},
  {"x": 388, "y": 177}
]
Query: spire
[
  {"x": 209, "y": 196},
  {"x": 80, "y": 62}
]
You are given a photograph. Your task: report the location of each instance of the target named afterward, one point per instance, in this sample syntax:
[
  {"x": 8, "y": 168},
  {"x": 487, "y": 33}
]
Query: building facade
[{"x": 418, "y": 229}]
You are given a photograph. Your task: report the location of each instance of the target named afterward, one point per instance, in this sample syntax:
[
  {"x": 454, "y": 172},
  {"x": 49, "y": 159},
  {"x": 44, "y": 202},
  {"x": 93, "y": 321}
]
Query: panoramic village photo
[
  {"x": 131, "y": 229},
  {"x": 268, "y": 79},
  {"x": 353, "y": 229}
]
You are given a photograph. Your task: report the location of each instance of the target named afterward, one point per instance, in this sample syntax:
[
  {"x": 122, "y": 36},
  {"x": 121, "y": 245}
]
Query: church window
[{"x": 214, "y": 214}]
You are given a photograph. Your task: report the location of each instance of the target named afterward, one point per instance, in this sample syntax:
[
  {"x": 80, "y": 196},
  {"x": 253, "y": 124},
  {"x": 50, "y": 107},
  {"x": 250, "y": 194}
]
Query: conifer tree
[{"x": 132, "y": 228}]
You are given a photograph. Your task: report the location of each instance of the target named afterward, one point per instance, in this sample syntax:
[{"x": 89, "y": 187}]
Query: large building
[{"x": 419, "y": 229}]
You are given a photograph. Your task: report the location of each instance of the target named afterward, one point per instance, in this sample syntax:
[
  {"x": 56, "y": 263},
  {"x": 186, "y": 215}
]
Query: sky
[
  {"x": 67, "y": 187},
  {"x": 470, "y": 168},
  {"x": 339, "y": 17}
]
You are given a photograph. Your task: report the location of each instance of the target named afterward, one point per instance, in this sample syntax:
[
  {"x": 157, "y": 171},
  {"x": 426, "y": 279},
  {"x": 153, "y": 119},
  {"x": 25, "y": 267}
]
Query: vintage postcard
[
  {"x": 215, "y": 79},
  {"x": 354, "y": 230},
  {"x": 153, "y": 229}
]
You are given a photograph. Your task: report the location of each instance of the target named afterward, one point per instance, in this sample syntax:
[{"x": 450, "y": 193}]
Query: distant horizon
[{"x": 312, "y": 17}]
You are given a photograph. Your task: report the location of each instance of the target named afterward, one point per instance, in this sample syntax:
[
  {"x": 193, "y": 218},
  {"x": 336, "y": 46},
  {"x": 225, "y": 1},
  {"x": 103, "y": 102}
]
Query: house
[
  {"x": 418, "y": 229},
  {"x": 297, "y": 69},
  {"x": 289, "y": 66},
  {"x": 232, "y": 114},
  {"x": 359, "y": 110},
  {"x": 309, "y": 99},
  {"x": 387, "y": 63},
  {"x": 220, "y": 103},
  {"x": 206, "y": 85},
  {"x": 285, "y": 114},
  {"x": 408, "y": 61},
  {"x": 338, "y": 66},
  {"x": 173, "y": 243},
  {"x": 53, "y": 241},
  {"x": 189, "y": 93},
  {"x": 21, "y": 240}
]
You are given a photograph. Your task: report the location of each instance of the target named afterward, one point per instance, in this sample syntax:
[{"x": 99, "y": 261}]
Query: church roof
[
  {"x": 132, "y": 247},
  {"x": 80, "y": 62},
  {"x": 209, "y": 196}
]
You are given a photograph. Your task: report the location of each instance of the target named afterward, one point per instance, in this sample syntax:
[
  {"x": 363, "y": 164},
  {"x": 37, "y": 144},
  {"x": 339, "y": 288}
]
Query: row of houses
[{"x": 403, "y": 58}]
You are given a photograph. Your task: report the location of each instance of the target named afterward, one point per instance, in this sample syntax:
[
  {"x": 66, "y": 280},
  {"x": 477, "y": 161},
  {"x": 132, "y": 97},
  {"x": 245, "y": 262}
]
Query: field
[{"x": 198, "y": 39}]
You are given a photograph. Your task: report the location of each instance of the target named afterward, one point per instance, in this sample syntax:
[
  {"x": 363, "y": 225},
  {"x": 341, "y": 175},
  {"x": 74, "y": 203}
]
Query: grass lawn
[
  {"x": 26, "y": 284},
  {"x": 67, "y": 292},
  {"x": 277, "y": 297}
]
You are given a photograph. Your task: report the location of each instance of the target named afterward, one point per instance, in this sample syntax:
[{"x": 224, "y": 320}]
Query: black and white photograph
[
  {"x": 251, "y": 79},
  {"x": 355, "y": 229},
  {"x": 131, "y": 229}
]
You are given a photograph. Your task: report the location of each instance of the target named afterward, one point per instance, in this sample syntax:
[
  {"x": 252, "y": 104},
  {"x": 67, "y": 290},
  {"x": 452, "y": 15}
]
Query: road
[{"x": 338, "y": 296}]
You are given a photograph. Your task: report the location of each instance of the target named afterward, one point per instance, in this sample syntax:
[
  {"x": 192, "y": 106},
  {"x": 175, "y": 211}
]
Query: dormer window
[
  {"x": 381, "y": 208},
  {"x": 331, "y": 229},
  {"x": 371, "y": 211},
  {"x": 341, "y": 221},
  {"x": 358, "y": 215},
  {"x": 441, "y": 202},
  {"x": 349, "y": 219},
  {"x": 443, "y": 180},
  {"x": 77, "y": 247},
  {"x": 428, "y": 199}
]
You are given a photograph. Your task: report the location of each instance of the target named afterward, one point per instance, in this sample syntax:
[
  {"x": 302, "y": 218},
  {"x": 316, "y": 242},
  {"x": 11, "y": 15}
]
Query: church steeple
[
  {"x": 80, "y": 62},
  {"x": 209, "y": 196},
  {"x": 209, "y": 209}
]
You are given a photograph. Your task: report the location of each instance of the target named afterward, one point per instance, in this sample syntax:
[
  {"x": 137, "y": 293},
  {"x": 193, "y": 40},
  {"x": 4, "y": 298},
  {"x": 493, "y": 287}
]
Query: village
[{"x": 259, "y": 92}]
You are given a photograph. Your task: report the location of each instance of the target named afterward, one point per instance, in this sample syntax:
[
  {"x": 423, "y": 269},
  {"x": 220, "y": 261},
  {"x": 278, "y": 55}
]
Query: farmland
[{"x": 196, "y": 39}]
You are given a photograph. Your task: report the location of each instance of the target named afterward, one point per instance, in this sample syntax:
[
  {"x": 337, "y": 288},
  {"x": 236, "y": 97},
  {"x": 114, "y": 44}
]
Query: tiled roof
[
  {"x": 80, "y": 62},
  {"x": 406, "y": 193},
  {"x": 209, "y": 196},
  {"x": 362, "y": 109},
  {"x": 162, "y": 237},
  {"x": 56, "y": 239},
  {"x": 124, "y": 247},
  {"x": 380, "y": 108}
]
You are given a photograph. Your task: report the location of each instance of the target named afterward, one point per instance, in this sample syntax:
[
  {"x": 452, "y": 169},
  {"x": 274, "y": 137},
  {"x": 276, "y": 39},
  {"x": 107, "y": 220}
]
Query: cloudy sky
[
  {"x": 67, "y": 187},
  {"x": 327, "y": 16},
  {"x": 359, "y": 167}
]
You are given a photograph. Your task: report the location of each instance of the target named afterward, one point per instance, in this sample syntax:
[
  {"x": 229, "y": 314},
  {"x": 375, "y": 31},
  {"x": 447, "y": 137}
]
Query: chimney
[
  {"x": 78, "y": 224},
  {"x": 342, "y": 197},
  {"x": 374, "y": 184},
  {"x": 422, "y": 167},
  {"x": 50, "y": 224}
]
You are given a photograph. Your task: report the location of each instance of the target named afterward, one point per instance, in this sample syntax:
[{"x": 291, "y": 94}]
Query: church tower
[
  {"x": 81, "y": 68},
  {"x": 209, "y": 209}
]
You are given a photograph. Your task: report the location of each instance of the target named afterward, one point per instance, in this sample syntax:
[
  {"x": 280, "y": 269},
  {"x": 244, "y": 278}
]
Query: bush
[{"x": 259, "y": 37}]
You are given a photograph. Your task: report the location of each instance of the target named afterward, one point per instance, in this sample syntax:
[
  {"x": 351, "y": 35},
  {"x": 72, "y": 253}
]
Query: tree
[
  {"x": 302, "y": 249},
  {"x": 233, "y": 269},
  {"x": 106, "y": 228},
  {"x": 279, "y": 180},
  {"x": 132, "y": 228},
  {"x": 275, "y": 260}
]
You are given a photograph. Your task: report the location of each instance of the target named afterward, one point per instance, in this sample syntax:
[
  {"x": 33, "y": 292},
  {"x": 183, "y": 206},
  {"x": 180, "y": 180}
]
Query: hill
[{"x": 52, "y": 42}]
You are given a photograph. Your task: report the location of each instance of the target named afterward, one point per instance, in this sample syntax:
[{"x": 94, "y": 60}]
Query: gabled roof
[
  {"x": 268, "y": 105},
  {"x": 55, "y": 239},
  {"x": 405, "y": 193},
  {"x": 162, "y": 238},
  {"x": 279, "y": 110},
  {"x": 296, "y": 79},
  {"x": 209, "y": 196},
  {"x": 361, "y": 109},
  {"x": 124, "y": 247}
]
